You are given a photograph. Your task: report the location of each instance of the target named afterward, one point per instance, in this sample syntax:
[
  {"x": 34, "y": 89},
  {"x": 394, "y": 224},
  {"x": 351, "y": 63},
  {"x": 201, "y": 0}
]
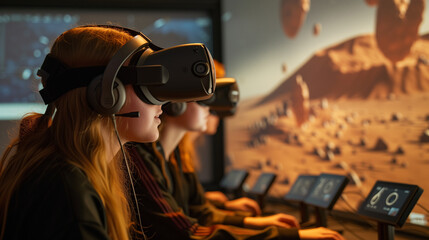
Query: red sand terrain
[
  {"x": 365, "y": 99},
  {"x": 357, "y": 69}
]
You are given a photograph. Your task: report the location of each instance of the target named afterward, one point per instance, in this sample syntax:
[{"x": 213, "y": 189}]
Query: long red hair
[{"x": 75, "y": 132}]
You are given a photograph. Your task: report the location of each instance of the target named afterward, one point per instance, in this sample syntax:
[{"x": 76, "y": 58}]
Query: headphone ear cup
[
  {"x": 93, "y": 95},
  {"x": 174, "y": 109}
]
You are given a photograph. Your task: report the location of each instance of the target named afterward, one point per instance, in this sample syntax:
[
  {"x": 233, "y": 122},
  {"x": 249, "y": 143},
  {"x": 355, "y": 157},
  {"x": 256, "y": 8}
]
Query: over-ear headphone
[
  {"x": 174, "y": 109},
  {"x": 106, "y": 93}
]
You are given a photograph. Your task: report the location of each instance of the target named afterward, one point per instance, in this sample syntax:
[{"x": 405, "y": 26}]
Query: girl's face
[
  {"x": 212, "y": 124},
  {"x": 143, "y": 128},
  {"x": 194, "y": 118}
]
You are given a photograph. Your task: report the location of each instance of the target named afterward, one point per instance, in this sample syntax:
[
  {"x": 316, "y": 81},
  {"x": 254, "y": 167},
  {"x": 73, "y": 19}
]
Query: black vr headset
[
  {"x": 180, "y": 73},
  {"x": 223, "y": 103}
]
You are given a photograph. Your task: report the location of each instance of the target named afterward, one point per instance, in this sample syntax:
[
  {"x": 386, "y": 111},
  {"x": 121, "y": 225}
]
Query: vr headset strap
[
  {"x": 60, "y": 79},
  {"x": 69, "y": 79}
]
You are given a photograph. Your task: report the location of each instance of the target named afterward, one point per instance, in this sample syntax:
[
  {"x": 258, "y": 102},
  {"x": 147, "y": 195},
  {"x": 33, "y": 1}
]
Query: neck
[
  {"x": 114, "y": 149},
  {"x": 112, "y": 145},
  {"x": 169, "y": 138}
]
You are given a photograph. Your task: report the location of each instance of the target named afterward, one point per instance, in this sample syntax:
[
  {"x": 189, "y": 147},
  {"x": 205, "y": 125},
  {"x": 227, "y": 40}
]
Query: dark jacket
[
  {"x": 56, "y": 202},
  {"x": 173, "y": 206}
]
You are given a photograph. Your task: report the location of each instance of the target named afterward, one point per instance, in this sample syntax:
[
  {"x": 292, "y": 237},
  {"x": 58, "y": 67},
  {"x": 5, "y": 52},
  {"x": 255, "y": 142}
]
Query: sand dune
[{"x": 357, "y": 69}]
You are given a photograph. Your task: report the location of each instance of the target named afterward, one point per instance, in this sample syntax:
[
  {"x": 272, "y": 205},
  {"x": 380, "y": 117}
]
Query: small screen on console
[
  {"x": 326, "y": 190},
  {"x": 301, "y": 188},
  {"x": 263, "y": 183},
  {"x": 390, "y": 202},
  {"x": 234, "y": 179}
]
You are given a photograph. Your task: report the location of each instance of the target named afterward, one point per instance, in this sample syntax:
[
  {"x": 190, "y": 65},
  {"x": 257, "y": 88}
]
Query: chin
[
  {"x": 147, "y": 138},
  {"x": 153, "y": 138}
]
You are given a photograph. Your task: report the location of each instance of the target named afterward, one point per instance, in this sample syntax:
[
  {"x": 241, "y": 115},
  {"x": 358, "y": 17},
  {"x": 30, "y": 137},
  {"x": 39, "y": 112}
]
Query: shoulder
[
  {"x": 86, "y": 209},
  {"x": 145, "y": 155},
  {"x": 66, "y": 185},
  {"x": 145, "y": 151},
  {"x": 146, "y": 164},
  {"x": 63, "y": 204},
  {"x": 81, "y": 195}
]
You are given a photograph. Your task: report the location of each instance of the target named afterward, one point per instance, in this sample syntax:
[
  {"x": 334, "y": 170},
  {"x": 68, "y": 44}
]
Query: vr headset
[
  {"x": 224, "y": 101},
  {"x": 180, "y": 73}
]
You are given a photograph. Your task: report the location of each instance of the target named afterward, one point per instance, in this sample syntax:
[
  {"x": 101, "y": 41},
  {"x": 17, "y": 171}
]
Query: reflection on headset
[
  {"x": 223, "y": 103},
  {"x": 180, "y": 73}
]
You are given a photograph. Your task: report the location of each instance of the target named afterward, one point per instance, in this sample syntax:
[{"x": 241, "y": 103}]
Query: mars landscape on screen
[{"x": 358, "y": 107}]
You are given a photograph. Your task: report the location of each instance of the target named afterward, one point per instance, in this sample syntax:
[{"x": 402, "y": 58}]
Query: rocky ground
[{"x": 367, "y": 140}]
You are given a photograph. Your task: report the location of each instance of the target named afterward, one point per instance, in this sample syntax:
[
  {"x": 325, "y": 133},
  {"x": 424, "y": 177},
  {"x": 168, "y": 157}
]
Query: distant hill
[{"x": 357, "y": 69}]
